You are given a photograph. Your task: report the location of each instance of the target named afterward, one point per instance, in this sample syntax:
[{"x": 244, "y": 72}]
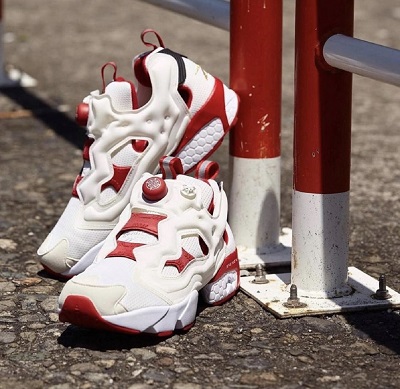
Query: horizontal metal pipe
[
  {"x": 363, "y": 58},
  {"x": 213, "y": 12}
]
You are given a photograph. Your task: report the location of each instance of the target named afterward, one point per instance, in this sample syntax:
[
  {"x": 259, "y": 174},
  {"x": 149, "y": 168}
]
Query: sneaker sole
[{"x": 160, "y": 320}]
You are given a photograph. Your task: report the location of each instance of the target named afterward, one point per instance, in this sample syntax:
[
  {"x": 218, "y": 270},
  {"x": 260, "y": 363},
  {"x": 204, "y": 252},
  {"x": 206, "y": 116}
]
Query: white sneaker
[
  {"x": 171, "y": 243},
  {"x": 176, "y": 109}
]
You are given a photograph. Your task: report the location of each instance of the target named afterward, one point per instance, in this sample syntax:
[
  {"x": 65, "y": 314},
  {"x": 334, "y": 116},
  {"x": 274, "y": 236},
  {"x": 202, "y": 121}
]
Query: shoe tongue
[
  {"x": 140, "y": 67},
  {"x": 122, "y": 94}
]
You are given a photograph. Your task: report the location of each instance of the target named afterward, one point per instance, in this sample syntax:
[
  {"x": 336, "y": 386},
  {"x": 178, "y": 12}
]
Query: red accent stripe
[
  {"x": 56, "y": 275},
  {"x": 139, "y": 145},
  {"x": 181, "y": 262},
  {"x": 80, "y": 310},
  {"x": 124, "y": 249},
  {"x": 231, "y": 263},
  {"x": 212, "y": 109},
  {"x": 118, "y": 179},
  {"x": 225, "y": 236},
  {"x": 143, "y": 222},
  {"x": 86, "y": 147},
  {"x": 78, "y": 179},
  {"x": 86, "y": 157},
  {"x": 138, "y": 222}
]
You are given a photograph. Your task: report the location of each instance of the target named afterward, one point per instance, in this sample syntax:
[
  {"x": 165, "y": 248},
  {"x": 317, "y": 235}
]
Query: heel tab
[
  {"x": 207, "y": 170},
  {"x": 170, "y": 167},
  {"x": 149, "y": 44}
]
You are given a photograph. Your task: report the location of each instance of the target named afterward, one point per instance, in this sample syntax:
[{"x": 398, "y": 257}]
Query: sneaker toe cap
[
  {"x": 56, "y": 258},
  {"x": 105, "y": 298}
]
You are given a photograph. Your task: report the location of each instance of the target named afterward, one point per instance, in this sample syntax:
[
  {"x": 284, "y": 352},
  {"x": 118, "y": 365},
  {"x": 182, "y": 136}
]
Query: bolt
[
  {"x": 293, "y": 293},
  {"x": 260, "y": 275},
  {"x": 293, "y": 301},
  {"x": 382, "y": 293}
]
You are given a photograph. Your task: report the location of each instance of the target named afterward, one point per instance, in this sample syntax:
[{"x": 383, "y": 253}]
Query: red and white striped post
[
  {"x": 321, "y": 184},
  {"x": 322, "y": 134},
  {"x": 255, "y": 74}
]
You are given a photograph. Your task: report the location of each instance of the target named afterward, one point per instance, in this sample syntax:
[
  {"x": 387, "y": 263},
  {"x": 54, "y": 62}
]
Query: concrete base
[
  {"x": 275, "y": 293},
  {"x": 271, "y": 257}
]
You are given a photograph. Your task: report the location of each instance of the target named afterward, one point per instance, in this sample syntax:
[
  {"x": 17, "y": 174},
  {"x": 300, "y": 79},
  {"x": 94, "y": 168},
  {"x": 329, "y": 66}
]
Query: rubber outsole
[{"x": 80, "y": 311}]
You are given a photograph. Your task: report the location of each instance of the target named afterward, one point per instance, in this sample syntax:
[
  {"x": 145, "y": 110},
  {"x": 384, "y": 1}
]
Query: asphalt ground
[{"x": 62, "y": 45}]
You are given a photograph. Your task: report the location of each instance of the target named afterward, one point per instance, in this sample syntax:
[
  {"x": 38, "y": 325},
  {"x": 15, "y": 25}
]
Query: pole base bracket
[
  {"x": 273, "y": 296},
  {"x": 13, "y": 77}
]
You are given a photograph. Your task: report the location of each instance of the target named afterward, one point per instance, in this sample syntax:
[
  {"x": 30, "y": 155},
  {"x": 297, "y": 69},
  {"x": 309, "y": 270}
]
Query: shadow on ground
[{"x": 58, "y": 121}]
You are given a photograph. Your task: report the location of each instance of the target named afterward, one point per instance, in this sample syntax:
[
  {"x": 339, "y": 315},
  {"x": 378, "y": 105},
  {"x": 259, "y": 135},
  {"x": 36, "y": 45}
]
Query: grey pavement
[{"x": 63, "y": 44}]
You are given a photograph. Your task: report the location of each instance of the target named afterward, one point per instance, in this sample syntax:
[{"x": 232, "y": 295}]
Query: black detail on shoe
[{"x": 181, "y": 65}]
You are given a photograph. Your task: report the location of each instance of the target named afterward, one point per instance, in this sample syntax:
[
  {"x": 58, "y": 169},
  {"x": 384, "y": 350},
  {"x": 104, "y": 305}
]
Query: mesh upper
[
  {"x": 122, "y": 274},
  {"x": 200, "y": 83},
  {"x": 121, "y": 95},
  {"x": 83, "y": 240}
]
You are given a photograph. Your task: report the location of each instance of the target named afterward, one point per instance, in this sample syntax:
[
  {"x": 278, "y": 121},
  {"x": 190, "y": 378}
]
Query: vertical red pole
[
  {"x": 322, "y": 99},
  {"x": 256, "y": 74},
  {"x": 322, "y": 134}
]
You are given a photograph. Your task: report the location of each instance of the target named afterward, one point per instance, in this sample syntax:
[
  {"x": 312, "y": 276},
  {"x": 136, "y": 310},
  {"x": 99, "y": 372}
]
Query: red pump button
[
  {"x": 82, "y": 114},
  {"x": 154, "y": 189}
]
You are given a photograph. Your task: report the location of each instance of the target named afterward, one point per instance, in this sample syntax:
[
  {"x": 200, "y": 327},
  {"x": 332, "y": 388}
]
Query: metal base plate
[
  {"x": 275, "y": 293},
  {"x": 13, "y": 77},
  {"x": 275, "y": 256}
]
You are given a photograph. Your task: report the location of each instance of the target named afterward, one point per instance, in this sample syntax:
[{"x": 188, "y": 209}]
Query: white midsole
[
  {"x": 177, "y": 316},
  {"x": 160, "y": 318}
]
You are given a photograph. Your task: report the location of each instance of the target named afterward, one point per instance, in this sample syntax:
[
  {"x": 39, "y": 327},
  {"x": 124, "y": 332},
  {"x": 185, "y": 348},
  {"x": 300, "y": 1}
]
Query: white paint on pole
[
  {"x": 213, "y": 12},
  {"x": 254, "y": 206},
  {"x": 320, "y": 244},
  {"x": 254, "y": 212},
  {"x": 363, "y": 58}
]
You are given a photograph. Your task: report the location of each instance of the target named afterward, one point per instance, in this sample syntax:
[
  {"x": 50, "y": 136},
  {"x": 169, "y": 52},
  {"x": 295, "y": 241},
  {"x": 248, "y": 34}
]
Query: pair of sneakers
[{"x": 141, "y": 246}]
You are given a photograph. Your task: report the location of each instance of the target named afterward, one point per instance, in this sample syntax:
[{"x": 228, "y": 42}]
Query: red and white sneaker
[
  {"x": 172, "y": 243},
  {"x": 176, "y": 109}
]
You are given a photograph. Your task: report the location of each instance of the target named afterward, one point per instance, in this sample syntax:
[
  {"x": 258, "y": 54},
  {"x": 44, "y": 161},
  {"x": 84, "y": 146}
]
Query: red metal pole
[
  {"x": 322, "y": 127},
  {"x": 322, "y": 135},
  {"x": 256, "y": 74}
]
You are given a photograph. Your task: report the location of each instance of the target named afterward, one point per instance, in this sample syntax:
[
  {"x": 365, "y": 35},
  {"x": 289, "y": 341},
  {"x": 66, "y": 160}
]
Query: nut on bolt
[
  {"x": 382, "y": 293},
  {"x": 260, "y": 277},
  {"x": 293, "y": 301}
]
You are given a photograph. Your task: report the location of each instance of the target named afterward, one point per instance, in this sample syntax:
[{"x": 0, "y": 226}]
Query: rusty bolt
[
  {"x": 293, "y": 301},
  {"x": 382, "y": 293},
  {"x": 260, "y": 277}
]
